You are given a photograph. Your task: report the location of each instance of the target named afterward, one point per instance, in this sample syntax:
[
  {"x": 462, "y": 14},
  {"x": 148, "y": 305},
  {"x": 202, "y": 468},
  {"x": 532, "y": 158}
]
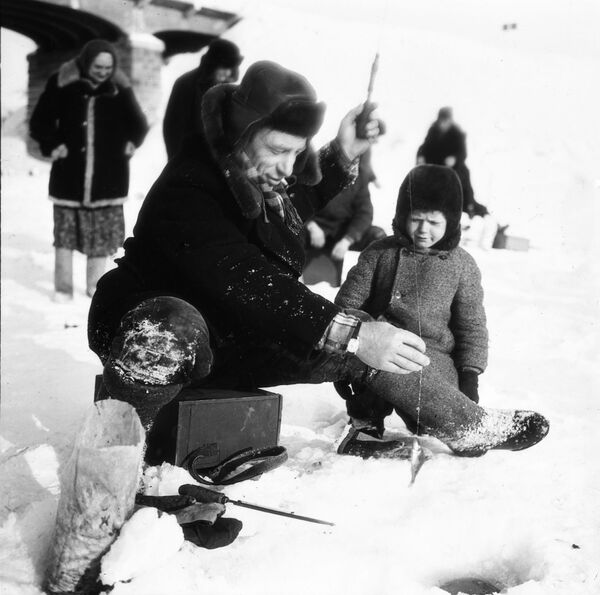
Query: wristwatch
[
  {"x": 354, "y": 342},
  {"x": 353, "y": 345}
]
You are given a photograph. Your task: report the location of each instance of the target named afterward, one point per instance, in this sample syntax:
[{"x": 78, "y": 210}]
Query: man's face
[
  {"x": 444, "y": 124},
  {"x": 273, "y": 154},
  {"x": 224, "y": 75},
  {"x": 426, "y": 228}
]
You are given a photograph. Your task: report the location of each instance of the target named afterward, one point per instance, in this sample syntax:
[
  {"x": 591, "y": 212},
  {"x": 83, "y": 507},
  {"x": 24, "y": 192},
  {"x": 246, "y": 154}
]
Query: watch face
[{"x": 353, "y": 345}]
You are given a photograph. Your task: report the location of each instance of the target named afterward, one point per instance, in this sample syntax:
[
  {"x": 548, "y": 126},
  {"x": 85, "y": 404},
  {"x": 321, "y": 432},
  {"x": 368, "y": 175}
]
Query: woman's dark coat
[
  {"x": 95, "y": 124},
  {"x": 198, "y": 238}
]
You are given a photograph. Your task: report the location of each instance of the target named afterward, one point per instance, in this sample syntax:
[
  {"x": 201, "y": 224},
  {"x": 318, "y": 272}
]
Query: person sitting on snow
[
  {"x": 420, "y": 280},
  {"x": 208, "y": 292},
  {"x": 346, "y": 223}
]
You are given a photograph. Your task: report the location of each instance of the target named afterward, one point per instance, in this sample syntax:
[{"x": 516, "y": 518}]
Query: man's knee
[{"x": 162, "y": 341}]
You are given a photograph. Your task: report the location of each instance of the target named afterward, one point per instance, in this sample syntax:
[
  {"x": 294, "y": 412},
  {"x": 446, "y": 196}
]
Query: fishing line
[{"x": 418, "y": 291}]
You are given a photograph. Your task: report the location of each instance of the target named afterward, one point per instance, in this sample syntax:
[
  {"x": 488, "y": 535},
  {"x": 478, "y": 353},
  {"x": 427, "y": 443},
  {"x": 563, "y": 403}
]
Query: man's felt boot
[
  {"x": 160, "y": 346},
  {"x": 501, "y": 430},
  {"x": 431, "y": 405}
]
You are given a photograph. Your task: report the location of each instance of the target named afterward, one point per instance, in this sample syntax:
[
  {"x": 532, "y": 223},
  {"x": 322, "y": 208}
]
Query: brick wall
[{"x": 144, "y": 55}]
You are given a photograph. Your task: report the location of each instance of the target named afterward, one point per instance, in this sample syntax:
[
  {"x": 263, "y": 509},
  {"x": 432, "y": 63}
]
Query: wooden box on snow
[
  {"x": 221, "y": 422},
  {"x": 517, "y": 243}
]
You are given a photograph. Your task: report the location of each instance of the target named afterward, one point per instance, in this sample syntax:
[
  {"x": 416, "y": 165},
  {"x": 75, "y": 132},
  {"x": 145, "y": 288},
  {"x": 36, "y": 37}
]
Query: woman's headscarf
[{"x": 91, "y": 50}]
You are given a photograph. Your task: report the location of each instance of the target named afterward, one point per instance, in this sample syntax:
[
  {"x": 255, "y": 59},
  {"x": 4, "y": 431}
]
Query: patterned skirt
[{"x": 95, "y": 232}]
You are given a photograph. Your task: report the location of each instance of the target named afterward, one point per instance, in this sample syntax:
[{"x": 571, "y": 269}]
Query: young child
[{"x": 421, "y": 280}]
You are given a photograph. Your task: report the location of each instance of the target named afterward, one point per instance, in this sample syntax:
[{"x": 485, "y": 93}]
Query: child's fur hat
[{"x": 431, "y": 188}]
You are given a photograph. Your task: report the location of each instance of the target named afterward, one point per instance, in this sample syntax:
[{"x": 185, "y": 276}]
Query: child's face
[{"x": 425, "y": 228}]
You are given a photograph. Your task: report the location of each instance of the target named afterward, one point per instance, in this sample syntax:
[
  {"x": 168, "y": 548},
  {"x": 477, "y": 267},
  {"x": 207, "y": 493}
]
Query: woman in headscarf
[{"x": 89, "y": 123}]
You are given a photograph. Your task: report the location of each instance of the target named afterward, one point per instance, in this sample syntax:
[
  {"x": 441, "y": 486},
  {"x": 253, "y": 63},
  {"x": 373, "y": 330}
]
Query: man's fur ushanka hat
[{"x": 273, "y": 96}]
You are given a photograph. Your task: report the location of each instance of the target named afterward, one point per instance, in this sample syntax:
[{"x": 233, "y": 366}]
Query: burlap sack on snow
[{"x": 98, "y": 488}]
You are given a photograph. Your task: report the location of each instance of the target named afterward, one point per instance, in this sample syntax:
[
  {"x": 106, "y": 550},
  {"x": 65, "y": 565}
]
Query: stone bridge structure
[{"x": 145, "y": 33}]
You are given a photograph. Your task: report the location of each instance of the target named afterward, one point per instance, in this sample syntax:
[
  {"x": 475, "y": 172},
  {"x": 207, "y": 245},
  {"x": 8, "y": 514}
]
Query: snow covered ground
[{"x": 530, "y": 521}]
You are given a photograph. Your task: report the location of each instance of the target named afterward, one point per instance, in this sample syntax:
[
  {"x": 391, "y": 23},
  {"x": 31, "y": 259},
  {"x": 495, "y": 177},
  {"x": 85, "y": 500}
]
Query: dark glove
[
  {"x": 222, "y": 533},
  {"x": 468, "y": 383}
]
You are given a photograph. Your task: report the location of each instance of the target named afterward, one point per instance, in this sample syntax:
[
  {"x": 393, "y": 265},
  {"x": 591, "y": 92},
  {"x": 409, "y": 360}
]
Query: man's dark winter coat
[
  {"x": 196, "y": 240},
  {"x": 183, "y": 114},
  {"x": 95, "y": 124},
  {"x": 452, "y": 143},
  {"x": 439, "y": 144}
]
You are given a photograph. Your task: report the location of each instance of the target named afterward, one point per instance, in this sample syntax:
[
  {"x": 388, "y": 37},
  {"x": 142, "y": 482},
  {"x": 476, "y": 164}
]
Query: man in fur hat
[
  {"x": 220, "y": 64},
  {"x": 207, "y": 293}
]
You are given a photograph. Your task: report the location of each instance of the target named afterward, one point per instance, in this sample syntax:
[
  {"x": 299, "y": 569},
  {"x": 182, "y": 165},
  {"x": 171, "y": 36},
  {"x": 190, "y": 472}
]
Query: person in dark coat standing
[
  {"x": 89, "y": 123},
  {"x": 220, "y": 64},
  {"x": 346, "y": 222},
  {"x": 445, "y": 144},
  {"x": 208, "y": 294}
]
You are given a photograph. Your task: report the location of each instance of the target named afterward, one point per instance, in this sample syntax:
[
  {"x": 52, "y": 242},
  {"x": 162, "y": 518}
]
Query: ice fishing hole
[
  {"x": 471, "y": 586},
  {"x": 522, "y": 563}
]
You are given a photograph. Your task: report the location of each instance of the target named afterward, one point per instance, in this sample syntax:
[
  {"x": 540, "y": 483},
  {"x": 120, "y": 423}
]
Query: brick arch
[
  {"x": 54, "y": 27},
  {"x": 181, "y": 41}
]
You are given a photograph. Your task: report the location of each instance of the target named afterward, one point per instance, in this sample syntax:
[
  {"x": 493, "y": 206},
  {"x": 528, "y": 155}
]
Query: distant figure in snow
[
  {"x": 346, "y": 222},
  {"x": 220, "y": 64},
  {"x": 420, "y": 280},
  {"x": 445, "y": 144},
  {"x": 89, "y": 123}
]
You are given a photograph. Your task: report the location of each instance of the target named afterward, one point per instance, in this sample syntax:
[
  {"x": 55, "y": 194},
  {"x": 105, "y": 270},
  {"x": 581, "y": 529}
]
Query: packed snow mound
[
  {"x": 165, "y": 480},
  {"x": 147, "y": 540}
]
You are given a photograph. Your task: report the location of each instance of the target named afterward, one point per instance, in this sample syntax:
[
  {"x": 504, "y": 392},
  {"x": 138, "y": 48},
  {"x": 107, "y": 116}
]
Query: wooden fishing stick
[{"x": 368, "y": 106}]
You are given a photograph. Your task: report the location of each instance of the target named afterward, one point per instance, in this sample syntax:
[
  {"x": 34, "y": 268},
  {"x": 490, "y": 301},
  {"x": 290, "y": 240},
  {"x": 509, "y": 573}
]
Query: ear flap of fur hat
[{"x": 431, "y": 188}]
